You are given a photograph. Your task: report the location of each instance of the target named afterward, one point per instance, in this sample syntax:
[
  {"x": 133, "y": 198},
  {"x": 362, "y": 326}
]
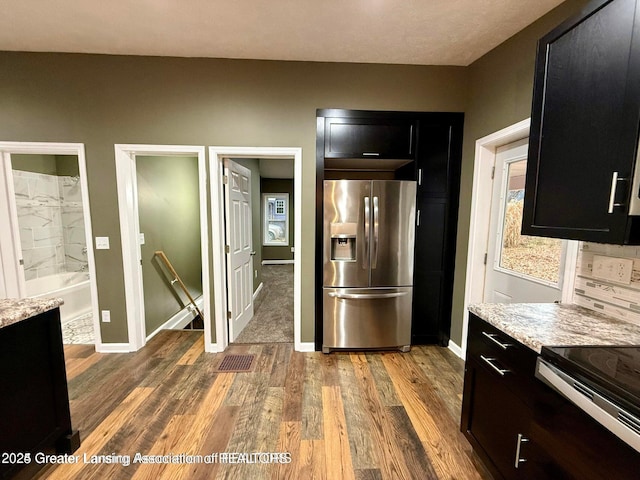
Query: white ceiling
[{"x": 421, "y": 32}]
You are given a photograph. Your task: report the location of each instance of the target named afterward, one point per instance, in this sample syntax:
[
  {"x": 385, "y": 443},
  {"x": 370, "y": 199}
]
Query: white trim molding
[
  {"x": 255, "y": 294},
  {"x": 277, "y": 262},
  {"x": 130, "y": 231},
  {"x": 455, "y": 348},
  {"x": 216, "y": 161}
]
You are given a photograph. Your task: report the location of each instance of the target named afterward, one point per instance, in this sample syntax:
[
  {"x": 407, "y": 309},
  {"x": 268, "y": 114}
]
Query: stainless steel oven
[{"x": 589, "y": 419}]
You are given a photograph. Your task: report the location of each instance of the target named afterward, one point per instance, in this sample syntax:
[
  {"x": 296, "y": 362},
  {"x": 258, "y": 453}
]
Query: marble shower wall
[
  {"x": 51, "y": 223},
  {"x": 618, "y": 300}
]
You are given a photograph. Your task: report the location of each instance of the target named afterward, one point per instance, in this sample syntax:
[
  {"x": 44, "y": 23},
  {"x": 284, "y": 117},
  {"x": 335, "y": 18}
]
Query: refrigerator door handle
[
  {"x": 366, "y": 296},
  {"x": 367, "y": 215},
  {"x": 374, "y": 255}
]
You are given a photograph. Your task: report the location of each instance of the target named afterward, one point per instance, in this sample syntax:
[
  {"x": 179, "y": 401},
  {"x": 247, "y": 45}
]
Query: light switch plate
[
  {"x": 612, "y": 269},
  {"x": 106, "y": 316},
  {"x": 102, "y": 243}
]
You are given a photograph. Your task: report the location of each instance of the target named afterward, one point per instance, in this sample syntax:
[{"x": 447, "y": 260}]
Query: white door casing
[
  {"x": 216, "y": 159},
  {"x": 238, "y": 237},
  {"x": 485, "y": 151},
  {"x": 12, "y": 283},
  {"x": 503, "y": 285},
  {"x": 130, "y": 235}
]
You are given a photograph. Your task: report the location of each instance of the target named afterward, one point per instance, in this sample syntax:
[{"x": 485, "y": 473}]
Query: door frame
[
  {"x": 130, "y": 232},
  {"x": 216, "y": 164},
  {"x": 484, "y": 161},
  {"x": 8, "y": 237}
]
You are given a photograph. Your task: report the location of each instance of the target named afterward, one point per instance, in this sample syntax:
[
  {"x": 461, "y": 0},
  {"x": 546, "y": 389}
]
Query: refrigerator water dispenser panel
[{"x": 343, "y": 242}]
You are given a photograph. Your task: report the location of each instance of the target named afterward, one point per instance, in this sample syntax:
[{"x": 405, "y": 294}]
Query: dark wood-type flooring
[{"x": 340, "y": 416}]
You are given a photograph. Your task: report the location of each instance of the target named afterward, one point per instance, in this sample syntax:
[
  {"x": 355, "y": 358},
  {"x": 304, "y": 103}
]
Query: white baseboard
[
  {"x": 255, "y": 294},
  {"x": 455, "y": 348},
  {"x": 277, "y": 262},
  {"x": 305, "y": 347},
  {"x": 180, "y": 319},
  {"x": 113, "y": 348}
]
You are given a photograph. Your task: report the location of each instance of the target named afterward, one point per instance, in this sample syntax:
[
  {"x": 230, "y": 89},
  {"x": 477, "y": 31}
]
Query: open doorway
[
  {"x": 273, "y": 226},
  {"x": 46, "y": 251},
  {"x": 217, "y": 157},
  {"x": 162, "y": 202}
]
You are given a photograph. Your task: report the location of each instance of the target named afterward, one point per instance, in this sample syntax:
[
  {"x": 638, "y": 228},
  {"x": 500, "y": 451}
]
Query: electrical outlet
[
  {"x": 613, "y": 269},
  {"x": 292, "y": 249},
  {"x": 106, "y": 316},
  {"x": 255, "y": 274}
]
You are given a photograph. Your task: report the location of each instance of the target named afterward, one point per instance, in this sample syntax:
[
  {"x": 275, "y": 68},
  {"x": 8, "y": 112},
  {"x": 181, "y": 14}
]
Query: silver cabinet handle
[
  {"x": 361, "y": 296},
  {"x": 615, "y": 178},
  {"x": 370, "y": 154},
  {"x": 492, "y": 337},
  {"x": 365, "y": 264},
  {"x": 521, "y": 439},
  {"x": 489, "y": 361}
]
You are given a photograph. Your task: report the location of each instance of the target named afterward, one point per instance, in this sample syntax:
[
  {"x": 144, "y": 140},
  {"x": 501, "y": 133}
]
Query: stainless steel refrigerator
[{"x": 368, "y": 239}]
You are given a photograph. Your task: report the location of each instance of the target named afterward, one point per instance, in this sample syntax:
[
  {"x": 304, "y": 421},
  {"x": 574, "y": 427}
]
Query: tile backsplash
[
  {"x": 616, "y": 299},
  {"x": 51, "y": 223}
]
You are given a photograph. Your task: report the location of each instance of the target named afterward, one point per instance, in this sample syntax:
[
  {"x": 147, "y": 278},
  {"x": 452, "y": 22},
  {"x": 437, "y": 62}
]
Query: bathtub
[{"x": 73, "y": 287}]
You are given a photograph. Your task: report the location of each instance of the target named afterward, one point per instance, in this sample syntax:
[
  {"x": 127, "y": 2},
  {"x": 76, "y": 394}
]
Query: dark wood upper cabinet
[
  {"x": 369, "y": 138},
  {"x": 584, "y": 127}
]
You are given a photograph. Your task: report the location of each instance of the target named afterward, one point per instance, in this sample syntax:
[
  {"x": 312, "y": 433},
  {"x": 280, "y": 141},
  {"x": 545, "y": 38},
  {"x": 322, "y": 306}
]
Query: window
[
  {"x": 276, "y": 219},
  {"x": 537, "y": 258}
]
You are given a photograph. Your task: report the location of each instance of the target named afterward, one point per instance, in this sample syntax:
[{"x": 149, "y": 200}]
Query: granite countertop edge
[
  {"x": 555, "y": 324},
  {"x": 14, "y": 310}
]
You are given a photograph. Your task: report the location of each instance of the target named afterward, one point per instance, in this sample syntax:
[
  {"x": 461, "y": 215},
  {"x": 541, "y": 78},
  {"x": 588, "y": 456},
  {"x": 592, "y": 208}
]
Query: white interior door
[
  {"x": 240, "y": 249},
  {"x": 519, "y": 268}
]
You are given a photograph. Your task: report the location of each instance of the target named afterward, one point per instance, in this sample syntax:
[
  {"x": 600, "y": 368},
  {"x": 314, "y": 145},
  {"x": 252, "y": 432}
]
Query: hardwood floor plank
[
  {"x": 93, "y": 444},
  {"x": 78, "y": 365},
  {"x": 369, "y": 474},
  {"x": 312, "y": 397},
  {"x": 329, "y": 368},
  {"x": 409, "y": 447},
  {"x": 289, "y": 442},
  {"x": 78, "y": 351},
  {"x": 280, "y": 365},
  {"x": 445, "y": 445},
  {"x": 336, "y": 439},
  {"x": 363, "y": 444},
  {"x": 383, "y": 383},
  {"x": 193, "y": 353},
  {"x": 312, "y": 460},
  {"x": 264, "y": 362},
  {"x": 382, "y": 431},
  {"x": 293, "y": 391}
]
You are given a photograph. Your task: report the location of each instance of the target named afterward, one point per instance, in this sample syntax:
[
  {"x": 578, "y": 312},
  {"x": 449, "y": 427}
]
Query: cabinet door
[
  {"x": 369, "y": 138},
  {"x": 493, "y": 417},
  {"x": 583, "y": 127}
]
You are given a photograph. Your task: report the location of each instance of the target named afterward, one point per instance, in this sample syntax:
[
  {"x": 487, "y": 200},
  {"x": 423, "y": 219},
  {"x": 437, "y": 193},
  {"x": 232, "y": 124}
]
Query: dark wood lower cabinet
[
  {"x": 34, "y": 404},
  {"x": 511, "y": 418}
]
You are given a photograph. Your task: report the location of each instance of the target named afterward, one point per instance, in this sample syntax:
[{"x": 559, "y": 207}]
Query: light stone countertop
[
  {"x": 556, "y": 324},
  {"x": 13, "y": 310}
]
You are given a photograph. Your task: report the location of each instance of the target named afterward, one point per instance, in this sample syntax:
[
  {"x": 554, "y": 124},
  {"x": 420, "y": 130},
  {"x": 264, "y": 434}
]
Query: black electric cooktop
[{"x": 614, "y": 371}]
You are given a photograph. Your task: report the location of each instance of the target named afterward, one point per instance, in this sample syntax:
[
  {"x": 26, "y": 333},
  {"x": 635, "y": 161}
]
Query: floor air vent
[{"x": 236, "y": 363}]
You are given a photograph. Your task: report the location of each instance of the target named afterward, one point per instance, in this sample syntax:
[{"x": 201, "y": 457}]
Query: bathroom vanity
[{"x": 34, "y": 405}]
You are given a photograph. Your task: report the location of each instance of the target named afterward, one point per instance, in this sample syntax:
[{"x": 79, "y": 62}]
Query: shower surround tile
[{"x": 51, "y": 222}]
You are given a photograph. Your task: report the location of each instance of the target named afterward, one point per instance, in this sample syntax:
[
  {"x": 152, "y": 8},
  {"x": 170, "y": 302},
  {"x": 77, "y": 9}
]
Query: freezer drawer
[{"x": 367, "y": 318}]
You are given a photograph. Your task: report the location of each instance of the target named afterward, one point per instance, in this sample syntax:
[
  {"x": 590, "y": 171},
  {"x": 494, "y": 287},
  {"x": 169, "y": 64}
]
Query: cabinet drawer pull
[
  {"x": 612, "y": 195},
  {"x": 370, "y": 154},
  {"x": 521, "y": 439},
  {"x": 489, "y": 361},
  {"x": 492, "y": 337}
]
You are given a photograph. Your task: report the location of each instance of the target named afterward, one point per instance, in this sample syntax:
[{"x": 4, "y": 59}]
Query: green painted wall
[
  {"x": 61, "y": 165},
  {"x": 500, "y": 94},
  {"x": 101, "y": 100},
  {"x": 279, "y": 185},
  {"x": 169, "y": 216}
]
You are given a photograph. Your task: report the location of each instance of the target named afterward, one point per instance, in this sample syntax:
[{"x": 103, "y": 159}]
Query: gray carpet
[{"x": 272, "y": 320}]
